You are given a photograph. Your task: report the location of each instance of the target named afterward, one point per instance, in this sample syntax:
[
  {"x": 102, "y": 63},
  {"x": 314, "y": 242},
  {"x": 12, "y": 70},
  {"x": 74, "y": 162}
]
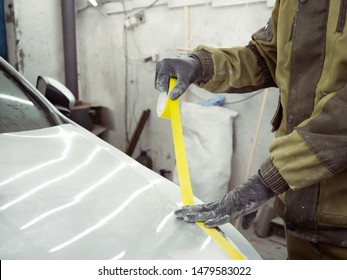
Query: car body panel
[{"x": 67, "y": 194}]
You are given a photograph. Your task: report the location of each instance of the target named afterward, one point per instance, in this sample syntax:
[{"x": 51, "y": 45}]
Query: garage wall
[
  {"x": 34, "y": 37},
  {"x": 112, "y": 71}
]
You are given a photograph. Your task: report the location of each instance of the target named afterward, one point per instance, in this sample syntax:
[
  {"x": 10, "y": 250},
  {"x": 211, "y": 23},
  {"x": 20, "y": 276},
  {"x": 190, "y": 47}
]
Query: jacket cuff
[
  {"x": 272, "y": 177},
  {"x": 206, "y": 62}
]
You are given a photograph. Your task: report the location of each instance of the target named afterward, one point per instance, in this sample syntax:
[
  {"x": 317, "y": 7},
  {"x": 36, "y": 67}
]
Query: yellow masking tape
[{"x": 169, "y": 109}]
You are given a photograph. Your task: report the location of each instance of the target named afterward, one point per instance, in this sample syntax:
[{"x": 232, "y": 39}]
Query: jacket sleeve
[
  {"x": 245, "y": 69},
  {"x": 241, "y": 69},
  {"x": 316, "y": 149}
]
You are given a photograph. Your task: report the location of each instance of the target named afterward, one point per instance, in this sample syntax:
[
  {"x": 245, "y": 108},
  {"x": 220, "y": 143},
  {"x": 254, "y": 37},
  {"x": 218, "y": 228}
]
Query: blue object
[
  {"x": 3, "y": 39},
  {"x": 216, "y": 101}
]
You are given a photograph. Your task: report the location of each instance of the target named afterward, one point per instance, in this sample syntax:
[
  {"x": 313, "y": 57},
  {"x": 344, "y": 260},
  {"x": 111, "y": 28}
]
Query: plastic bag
[{"x": 208, "y": 137}]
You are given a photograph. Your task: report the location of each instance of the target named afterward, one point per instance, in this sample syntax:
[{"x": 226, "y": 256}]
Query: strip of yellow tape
[{"x": 171, "y": 111}]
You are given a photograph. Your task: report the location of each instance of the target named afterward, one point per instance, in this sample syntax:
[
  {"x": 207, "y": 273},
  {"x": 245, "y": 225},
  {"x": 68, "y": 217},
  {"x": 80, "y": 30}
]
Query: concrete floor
[{"x": 269, "y": 248}]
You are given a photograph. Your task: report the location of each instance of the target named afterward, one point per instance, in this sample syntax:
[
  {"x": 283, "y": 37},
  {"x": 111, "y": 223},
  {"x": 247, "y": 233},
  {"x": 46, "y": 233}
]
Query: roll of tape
[
  {"x": 163, "y": 107},
  {"x": 169, "y": 109}
]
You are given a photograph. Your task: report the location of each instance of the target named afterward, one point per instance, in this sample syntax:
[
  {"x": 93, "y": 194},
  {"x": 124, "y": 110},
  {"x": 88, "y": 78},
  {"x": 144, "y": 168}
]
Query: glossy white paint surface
[{"x": 66, "y": 194}]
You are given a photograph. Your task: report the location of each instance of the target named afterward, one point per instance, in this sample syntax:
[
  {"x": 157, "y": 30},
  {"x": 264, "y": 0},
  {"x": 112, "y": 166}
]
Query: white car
[{"x": 67, "y": 194}]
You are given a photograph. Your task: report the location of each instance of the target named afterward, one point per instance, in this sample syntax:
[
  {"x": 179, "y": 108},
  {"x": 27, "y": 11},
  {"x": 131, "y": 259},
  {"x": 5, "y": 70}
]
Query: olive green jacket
[{"x": 303, "y": 51}]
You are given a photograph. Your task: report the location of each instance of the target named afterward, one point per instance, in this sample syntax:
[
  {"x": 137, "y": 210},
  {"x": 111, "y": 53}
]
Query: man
[{"x": 302, "y": 51}]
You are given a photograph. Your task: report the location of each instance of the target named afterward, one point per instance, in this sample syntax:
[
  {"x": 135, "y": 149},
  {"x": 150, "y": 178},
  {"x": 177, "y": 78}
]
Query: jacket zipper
[
  {"x": 342, "y": 16},
  {"x": 292, "y": 28}
]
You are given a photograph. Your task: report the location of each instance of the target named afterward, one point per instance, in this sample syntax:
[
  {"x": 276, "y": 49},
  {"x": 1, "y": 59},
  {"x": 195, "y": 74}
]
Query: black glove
[
  {"x": 186, "y": 70},
  {"x": 244, "y": 200}
]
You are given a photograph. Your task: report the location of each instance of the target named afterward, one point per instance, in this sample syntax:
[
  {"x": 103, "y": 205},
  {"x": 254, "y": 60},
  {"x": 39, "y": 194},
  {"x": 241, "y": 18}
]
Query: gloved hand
[
  {"x": 186, "y": 70},
  {"x": 244, "y": 200}
]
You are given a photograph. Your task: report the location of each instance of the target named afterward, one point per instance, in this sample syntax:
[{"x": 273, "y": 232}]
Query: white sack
[{"x": 208, "y": 141}]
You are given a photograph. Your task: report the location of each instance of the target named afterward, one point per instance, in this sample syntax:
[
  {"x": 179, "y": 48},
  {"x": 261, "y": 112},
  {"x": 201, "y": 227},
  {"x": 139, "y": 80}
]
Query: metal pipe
[{"x": 70, "y": 50}]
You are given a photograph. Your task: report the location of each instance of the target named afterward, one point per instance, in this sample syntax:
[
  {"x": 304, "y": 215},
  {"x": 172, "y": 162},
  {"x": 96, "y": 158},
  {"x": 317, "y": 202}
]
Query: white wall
[
  {"x": 35, "y": 38},
  {"x": 102, "y": 65}
]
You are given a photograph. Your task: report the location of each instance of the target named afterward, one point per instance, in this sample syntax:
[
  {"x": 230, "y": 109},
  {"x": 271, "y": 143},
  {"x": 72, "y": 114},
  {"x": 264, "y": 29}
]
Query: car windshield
[{"x": 18, "y": 112}]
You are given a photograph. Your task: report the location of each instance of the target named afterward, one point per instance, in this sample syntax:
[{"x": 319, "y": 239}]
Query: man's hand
[
  {"x": 244, "y": 200},
  {"x": 186, "y": 70}
]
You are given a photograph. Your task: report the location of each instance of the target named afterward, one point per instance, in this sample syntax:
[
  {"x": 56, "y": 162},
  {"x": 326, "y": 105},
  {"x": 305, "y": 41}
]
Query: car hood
[{"x": 66, "y": 194}]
